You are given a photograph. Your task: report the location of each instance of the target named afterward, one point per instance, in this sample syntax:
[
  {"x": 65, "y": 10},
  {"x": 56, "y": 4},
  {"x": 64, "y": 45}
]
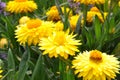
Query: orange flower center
[
  {"x": 34, "y": 23},
  {"x": 20, "y": 0},
  {"x": 95, "y": 55}
]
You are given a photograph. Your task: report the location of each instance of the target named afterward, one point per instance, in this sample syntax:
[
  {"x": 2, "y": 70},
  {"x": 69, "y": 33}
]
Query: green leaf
[
  {"x": 70, "y": 75},
  {"x": 23, "y": 64},
  {"x": 11, "y": 65},
  {"x": 78, "y": 25},
  {"x": 39, "y": 71},
  {"x": 97, "y": 28}
]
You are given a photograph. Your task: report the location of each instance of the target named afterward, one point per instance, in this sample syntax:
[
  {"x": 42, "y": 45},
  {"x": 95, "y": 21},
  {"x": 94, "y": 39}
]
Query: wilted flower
[
  {"x": 21, "y": 6},
  {"x": 60, "y": 43},
  {"x": 94, "y": 65}
]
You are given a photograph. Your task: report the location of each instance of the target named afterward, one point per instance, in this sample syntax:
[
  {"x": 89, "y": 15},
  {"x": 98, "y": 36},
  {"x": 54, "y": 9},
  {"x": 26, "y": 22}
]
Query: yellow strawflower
[
  {"x": 87, "y": 2},
  {"x": 33, "y": 31},
  {"x": 60, "y": 43},
  {"x": 95, "y": 65},
  {"x": 95, "y": 11},
  {"x": 21, "y": 6},
  {"x": 53, "y": 13}
]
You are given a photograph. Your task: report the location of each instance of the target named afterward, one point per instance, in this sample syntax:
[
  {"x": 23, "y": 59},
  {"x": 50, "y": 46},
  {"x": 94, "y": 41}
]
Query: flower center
[
  {"x": 34, "y": 23},
  {"x": 60, "y": 38},
  {"x": 95, "y": 55},
  {"x": 20, "y": 0}
]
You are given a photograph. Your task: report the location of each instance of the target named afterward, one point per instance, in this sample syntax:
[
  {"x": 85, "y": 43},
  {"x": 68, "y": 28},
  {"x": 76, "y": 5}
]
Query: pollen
[
  {"x": 95, "y": 55},
  {"x": 34, "y": 23}
]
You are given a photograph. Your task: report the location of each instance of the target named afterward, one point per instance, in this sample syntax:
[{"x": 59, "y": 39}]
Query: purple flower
[
  {"x": 74, "y": 5},
  {"x": 3, "y": 56},
  {"x": 2, "y": 7}
]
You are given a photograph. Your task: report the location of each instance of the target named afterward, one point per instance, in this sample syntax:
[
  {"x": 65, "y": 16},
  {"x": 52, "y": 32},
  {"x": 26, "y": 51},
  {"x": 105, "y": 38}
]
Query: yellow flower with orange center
[
  {"x": 87, "y": 2},
  {"x": 33, "y": 31},
  {"x": 21, "y": 6},
  {"x": 95, "y": 65},
  {"x": 60, "y": 43}
]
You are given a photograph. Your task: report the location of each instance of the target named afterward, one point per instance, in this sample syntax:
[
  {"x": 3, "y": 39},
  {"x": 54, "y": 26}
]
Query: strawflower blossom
[
  {"x": 33, "y": 31},
  {"x": 95, "y": 65},
  {"x": 53, "y": 13},
  {"x": 60, "y": 43},
  {"x": 87, "y": 2},
  {"x": 21, "y": 6},
  {"x": 95, "y": 11}
]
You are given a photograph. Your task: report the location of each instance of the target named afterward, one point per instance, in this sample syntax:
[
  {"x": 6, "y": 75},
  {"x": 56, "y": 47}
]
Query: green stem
[{"x": 85, "y": 14}]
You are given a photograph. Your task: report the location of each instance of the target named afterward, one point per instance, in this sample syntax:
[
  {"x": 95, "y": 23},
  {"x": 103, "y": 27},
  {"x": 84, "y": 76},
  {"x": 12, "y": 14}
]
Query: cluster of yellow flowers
[{"x": 50, "y": 37}]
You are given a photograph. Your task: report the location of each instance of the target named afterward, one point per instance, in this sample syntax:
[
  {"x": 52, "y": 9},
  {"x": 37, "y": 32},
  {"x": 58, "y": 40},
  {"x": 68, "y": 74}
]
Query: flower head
[
  {"x": 95, "y": 11},
  {"x": 21, "y": 6},
  {"x": 94, "y": 65},
  {"x": 53, "y": 13},
  {"x": 60, "y": 43},
  {"x": 90, "y": 1},
  {"x": 33, "y": 31}
]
